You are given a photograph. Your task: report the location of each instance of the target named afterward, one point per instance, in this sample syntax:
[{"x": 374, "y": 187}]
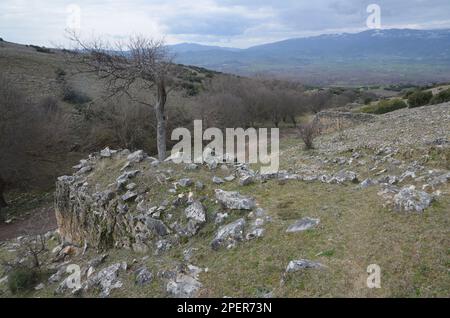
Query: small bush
[
  {"x": 74, "y": 96},
  {"x": 385, "y": 106},
  {"x": 367, "y": 100},
  {"x": 41, "y": 49},
  {"x": 442, "y": 97},
  {"x": 308, "y": 132},
  {"x": 60, "y": 74},
  {"x": 419, "y": 98},
  {"x": 22, "y": 279}
]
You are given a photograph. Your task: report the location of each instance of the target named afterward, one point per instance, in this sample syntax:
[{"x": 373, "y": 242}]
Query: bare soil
[{"x": 39, "y": 221}]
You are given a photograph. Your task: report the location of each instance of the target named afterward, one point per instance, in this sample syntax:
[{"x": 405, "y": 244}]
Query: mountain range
[{"x": 369, "y": 57}]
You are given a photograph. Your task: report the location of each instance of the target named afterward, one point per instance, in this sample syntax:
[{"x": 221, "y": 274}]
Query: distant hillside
[{"x": 369, "y": 57}]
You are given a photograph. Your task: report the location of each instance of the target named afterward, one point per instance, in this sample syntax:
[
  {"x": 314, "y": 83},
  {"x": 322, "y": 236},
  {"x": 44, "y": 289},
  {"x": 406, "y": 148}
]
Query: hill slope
[{"x": 349, "y": 225}]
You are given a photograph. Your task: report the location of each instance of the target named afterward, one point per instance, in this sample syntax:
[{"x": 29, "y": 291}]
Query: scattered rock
[
  {"x": 143, "y": 276},
  {"x": 183, "y": 286},
  {"x": 106, "y": 279},
  {"x": 191, "y": 166},
  {"x": 344, "y": 176},
  {"x": 389, "y": 180},
  {"x": 254, "y": 234},
  {"x": 407, "y": 176},
  {"x": 218, "y": 180},
  {"x": 303, "y": 225},
  {"x": 131, "y": 186},
  {"x": 367, "y": 183},
  {"x": 230, "y": 178},
  {"x": 57, "y": 277},
  {"x": 220, "y": 218},
  {"x": 196, "y": 212},
  {"x": 84, "y": 170},
  {"x": 443, "y": 179},
  {"x": 235, "y": 201},
  {"x": 162, "y": 246},
  {"x": 130, "y": 195},
  {"x": 156, "y": 226},
  {"x": 106, "y": 153},
  {"x": 185, "y": 182},
  {"x": 246, "y": 180},
  {"x": 411, "y": 200},
  {"x": 298, "y": 265},
  {"x": 188, "y": 253},
  {"x": 123, "y": 179},
  {"x": 199, "y": 185},
  {"x": 136, "y": 156},
  {"x": 229, "y": 234}
]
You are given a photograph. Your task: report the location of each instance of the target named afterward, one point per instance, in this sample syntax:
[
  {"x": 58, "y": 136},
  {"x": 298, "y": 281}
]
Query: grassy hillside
[{"x": 358, "y": 226}]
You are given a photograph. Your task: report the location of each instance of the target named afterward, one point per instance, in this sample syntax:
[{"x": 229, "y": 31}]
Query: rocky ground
[{"x": 377, "y": 193}]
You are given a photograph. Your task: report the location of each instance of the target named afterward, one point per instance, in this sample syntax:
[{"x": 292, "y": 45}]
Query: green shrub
[
  {"x": 22, "y": 279},
  {"x": 442, "y": 97},
  {"x": 74, "y": 96},
  {"x": 385, "y": 106},
  {"x": 408, "y": 94},
  {"x": 419, "y": 98},
  {"x": 367, "y": 100}
]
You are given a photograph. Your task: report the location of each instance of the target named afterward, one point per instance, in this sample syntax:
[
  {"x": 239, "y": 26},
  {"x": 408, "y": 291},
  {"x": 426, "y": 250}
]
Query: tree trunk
[
  {"x": 161, "y": 124},
  {"x": 2, "y": 190},
  {"x": 294, "y": 122}
]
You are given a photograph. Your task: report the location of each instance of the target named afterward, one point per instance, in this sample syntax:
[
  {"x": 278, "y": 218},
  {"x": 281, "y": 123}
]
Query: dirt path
[{"x": 40, "y": 221}]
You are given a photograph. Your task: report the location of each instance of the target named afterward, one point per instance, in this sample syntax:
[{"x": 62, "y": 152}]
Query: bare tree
[
  {"x": 308, "y": 132},
  {"x": 139, "y": 64}
]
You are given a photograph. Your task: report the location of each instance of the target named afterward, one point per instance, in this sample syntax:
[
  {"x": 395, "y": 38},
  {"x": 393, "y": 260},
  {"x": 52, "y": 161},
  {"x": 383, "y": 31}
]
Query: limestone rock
[
  {"x": 220, "y": 218},
  {"x": 246, "y": 180},
  {"x": 143, "y": 276},
  {"x": 229, "y": 234},
  {"x": 218, "y": 180},
  {"x": 106, "y": 153},
  {"x": 107, "y": 279},
  {"x": 235, "y": 201},
  {"x": 367, "y": 183},
  {"x": 344, "y": 176},
  {"x": 136, "y": 156},
  {"x": 302, "y": 264},
  {"x": 411, "y": 200},
  {"x": 303, "y": 225},
  {"x": 196, "y": 212},
  {"x": 184, "y": 286},
  {"x": 185, "y": 182},
  {"x": 130, "y": 195}
]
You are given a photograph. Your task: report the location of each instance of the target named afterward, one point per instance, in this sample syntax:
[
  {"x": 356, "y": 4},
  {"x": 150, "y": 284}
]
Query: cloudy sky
[{"x": 238, "y": 23}]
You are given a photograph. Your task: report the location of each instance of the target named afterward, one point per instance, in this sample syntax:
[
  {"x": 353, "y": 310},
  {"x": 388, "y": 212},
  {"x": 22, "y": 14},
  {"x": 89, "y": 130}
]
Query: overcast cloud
[{"x": 238, "y": 23}]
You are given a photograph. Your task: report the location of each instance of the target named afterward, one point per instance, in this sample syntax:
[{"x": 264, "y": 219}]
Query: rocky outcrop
[
  {"x": 111, "y": 205},
  {"x": 88, "y": 214}
]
